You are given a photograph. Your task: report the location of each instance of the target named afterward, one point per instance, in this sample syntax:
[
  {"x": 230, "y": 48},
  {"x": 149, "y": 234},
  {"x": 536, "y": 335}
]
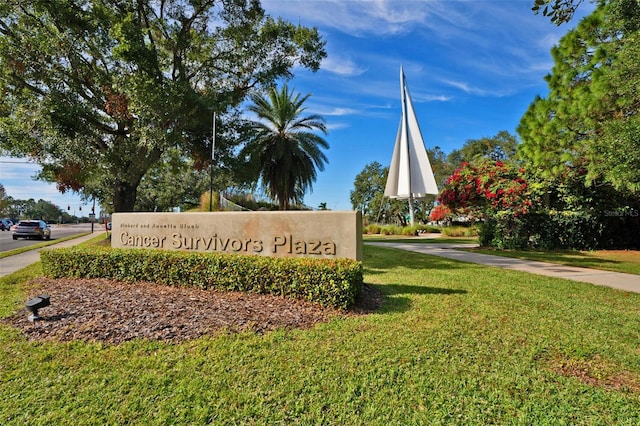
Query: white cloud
[
  {"x": 339, "y": 111},
  {"x": 356, "y": 17},
  {"x": 17, "y": 168},
  {"x": 341, "y": 66},
  {"x": 500, "y": 47},
  {"x": 337, "y": 126},
  {"x": 465, "y": 87},
  {"x": 438, "y": 98}
]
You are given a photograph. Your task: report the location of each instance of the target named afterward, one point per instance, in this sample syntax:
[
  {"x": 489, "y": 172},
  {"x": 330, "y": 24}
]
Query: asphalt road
[{"x": 57, "y": 231}]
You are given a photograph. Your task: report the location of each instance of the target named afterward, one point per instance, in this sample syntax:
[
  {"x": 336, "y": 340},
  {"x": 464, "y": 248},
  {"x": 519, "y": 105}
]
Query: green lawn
[
  {"x": 627, "y": 261},
  {"x": 454, "y": 343}
]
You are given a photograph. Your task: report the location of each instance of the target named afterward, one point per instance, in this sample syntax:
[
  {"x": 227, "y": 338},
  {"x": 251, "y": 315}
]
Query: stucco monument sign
[{"x": 321, "y": 234}]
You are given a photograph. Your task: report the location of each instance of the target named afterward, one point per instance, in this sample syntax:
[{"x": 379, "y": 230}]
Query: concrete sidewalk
[
  {"x": 618, "y": 280},
  {"x": 11, "y": 264}
]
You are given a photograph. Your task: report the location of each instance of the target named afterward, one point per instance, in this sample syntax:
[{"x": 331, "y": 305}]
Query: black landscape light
[{"x": 36, "y": 303}]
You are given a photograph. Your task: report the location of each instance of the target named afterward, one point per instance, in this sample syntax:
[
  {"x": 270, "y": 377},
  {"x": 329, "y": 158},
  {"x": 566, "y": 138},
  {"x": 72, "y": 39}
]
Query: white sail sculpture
[{"x": 410, "y": 174}]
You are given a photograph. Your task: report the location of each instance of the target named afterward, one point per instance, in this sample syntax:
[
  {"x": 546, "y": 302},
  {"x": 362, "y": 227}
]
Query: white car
[{"x": 32, "y": 229}]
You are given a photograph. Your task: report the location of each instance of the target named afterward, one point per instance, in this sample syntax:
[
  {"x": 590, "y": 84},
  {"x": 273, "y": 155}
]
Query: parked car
[
  {"x": 32, "y": 229},
  {"x": 5, "y": 224}
]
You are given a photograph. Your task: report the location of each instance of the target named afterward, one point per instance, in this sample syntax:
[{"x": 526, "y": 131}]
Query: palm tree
[{"x": 281, "y": 146}]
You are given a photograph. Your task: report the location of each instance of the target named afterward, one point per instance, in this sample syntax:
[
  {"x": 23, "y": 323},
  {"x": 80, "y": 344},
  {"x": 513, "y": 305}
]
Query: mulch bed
[{"x": 114, "y": 312}]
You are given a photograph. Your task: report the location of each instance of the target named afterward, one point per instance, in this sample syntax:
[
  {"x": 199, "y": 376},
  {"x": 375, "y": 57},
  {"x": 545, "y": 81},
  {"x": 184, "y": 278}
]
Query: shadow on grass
[
  {"x": 377, "y": 263},
  {"x": 564, "y": 257},
  {"x": 392, "y": 297},
  {"x": 394, "y": 289},
  {"x": 397, "y": 297}
]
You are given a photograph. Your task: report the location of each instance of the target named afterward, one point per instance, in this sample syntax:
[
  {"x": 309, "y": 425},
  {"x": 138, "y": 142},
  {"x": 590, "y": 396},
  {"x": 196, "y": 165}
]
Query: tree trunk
[
  {"x": 134, "y": 160},
  {"x": 124, "y": 197}
]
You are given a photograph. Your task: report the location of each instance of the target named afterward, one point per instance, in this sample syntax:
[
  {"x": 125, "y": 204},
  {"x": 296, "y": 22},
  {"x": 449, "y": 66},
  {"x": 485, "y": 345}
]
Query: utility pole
[
  {"x": 92, "y": 216},
  {"x": 213, "y": 145}
]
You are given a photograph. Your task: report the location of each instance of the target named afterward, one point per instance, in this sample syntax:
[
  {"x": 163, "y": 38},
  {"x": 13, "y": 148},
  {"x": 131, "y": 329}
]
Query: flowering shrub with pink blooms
[
  {"x": 508, "y": 204},
  {"x": 484, "y": 189}
]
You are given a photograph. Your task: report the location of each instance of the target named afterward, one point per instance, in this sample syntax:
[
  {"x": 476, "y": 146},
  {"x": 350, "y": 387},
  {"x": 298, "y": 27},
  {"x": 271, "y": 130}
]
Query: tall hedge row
[
  {"x": 329, "y": 282},
  {"x": 560, "y": 230}
]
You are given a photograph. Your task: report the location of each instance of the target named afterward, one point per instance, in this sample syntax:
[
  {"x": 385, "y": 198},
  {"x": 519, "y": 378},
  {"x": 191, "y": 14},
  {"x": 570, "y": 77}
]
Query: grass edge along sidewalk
[
  {"x": 624, "y": 261},
  {"x": 618, "y": 280}
]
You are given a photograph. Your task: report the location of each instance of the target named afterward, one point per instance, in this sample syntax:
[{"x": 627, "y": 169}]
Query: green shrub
[
  {"x": 460, "y": 231},
  {"x": 504, "y": 231},
  {"x": 372, "y": 229},
  {"x": 329, "y": 282},
  {"x": 487, "y": 229},
  {"x": 557, "y": 229},
  {"x": 395, "y": 230},
  {"x": 409, "y": 230}
]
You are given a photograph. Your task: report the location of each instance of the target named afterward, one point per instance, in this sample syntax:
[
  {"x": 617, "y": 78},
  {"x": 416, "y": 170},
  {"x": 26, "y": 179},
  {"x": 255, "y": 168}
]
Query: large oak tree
[
  {"x": 501, "y": 147},
  {"x": 98, "y": 90}
]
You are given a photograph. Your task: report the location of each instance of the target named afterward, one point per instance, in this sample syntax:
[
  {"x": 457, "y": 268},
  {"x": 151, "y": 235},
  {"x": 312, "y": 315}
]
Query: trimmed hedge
[{"x": 328, "y": 282}]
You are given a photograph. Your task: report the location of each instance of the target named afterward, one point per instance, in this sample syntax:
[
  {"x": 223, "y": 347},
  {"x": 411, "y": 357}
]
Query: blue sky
[{"x": 472, "y": 67}]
